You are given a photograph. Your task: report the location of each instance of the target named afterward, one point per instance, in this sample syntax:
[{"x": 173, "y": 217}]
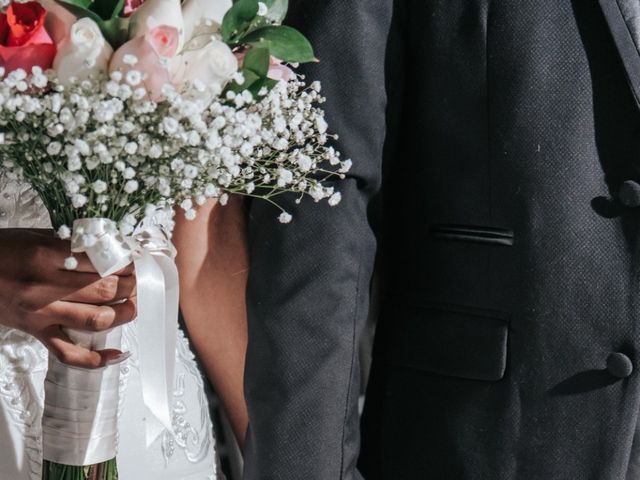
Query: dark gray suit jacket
[
  {"x": 507, "y": 345},
  {"x": 308, "y": 292}
]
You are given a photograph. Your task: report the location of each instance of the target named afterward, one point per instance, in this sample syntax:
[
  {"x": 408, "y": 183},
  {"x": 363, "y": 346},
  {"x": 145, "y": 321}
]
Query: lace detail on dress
[
  {"x": 23, "y": 360},
  {"x": 192, "y": 433},
  {"x": 193, "y": 439},
  {"x": 20, "y": 206}
]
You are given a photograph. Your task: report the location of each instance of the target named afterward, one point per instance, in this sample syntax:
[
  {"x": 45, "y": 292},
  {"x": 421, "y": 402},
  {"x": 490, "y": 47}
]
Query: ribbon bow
[{"x": 150, "y": 249}]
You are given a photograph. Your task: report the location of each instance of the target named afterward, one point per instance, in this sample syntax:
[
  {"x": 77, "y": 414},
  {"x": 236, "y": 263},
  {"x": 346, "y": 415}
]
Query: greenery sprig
[{"x": 263, "y": 36}]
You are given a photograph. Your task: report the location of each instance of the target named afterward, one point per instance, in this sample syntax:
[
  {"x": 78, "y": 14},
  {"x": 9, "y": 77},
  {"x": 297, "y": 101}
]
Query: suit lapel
[{"x": 623, "y": 19}]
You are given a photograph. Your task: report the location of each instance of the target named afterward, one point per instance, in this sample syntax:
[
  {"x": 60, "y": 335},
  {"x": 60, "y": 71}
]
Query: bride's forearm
[{"x": 213, "y": 264}]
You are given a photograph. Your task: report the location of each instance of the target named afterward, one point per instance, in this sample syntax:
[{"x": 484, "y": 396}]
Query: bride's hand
[{"x": 38, "y": 295}]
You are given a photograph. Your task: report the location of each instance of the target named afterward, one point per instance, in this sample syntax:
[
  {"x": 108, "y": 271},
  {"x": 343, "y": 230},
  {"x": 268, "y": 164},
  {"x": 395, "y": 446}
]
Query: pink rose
[
  {"x": 131, "y": 6},
  {"x": 151, "y": 52},
  {"x": 164, "y": 40},
  {"x": 24, "y": 41},
  {"x": 277, "y": 71}
]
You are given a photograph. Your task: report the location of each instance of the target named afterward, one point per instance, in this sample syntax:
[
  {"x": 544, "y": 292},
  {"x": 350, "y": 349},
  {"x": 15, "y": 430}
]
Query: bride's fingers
[
  {"x": 100, "y": 290},
  {"x": 87, "y": 317},
  {"x": 63, "y": 348},
  {"x": 105, "y": 290},
  {"x": 41, "y": 292}
]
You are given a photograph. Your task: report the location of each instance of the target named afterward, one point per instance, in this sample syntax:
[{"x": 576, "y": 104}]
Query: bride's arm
[{"x": 213, "y": 265}]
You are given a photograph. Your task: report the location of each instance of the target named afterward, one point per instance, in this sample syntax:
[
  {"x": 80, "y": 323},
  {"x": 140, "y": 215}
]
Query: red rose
[
  {"x": 24, "y": 41},
  {"x": 26, "y": 24},
  {"x": 4, "y": 29}
]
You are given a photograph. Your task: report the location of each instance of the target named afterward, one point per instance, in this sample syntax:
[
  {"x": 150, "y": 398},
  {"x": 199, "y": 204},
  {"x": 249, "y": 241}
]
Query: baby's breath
[{"x": 101, "y": 148}]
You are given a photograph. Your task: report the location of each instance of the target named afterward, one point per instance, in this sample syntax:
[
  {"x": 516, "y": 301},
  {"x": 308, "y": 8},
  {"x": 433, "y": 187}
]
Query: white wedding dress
[{"x": 185, "y": 454}]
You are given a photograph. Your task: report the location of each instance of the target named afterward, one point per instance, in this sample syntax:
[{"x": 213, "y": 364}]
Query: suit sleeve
[{"x": 308, "y": 291}]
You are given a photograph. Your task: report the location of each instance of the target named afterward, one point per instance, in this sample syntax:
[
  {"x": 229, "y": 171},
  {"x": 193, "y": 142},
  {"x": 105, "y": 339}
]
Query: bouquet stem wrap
[
  {"x": 80, "y": 416},
  {"x": 81, "y": 406}
]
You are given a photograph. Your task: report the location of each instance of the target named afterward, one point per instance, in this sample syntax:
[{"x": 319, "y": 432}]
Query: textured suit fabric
[
  {"x": 630, "y": 10},
  {"x": 308, "y": 289},
  {"x": 511, "y": 270}
]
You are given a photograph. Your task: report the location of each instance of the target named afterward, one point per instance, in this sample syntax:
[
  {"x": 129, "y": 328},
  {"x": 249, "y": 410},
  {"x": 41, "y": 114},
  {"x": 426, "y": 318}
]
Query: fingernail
[{"x": 118, "y": 359}]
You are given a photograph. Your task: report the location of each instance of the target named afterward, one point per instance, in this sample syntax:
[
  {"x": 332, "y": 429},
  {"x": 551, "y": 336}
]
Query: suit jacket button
[
  {"x": 629, "y": 194},
  {"x": 619, "y": 365}
]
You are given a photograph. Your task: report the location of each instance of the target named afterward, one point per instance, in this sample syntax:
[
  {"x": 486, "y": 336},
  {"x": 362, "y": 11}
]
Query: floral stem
[{"x": 102, "y": 471}]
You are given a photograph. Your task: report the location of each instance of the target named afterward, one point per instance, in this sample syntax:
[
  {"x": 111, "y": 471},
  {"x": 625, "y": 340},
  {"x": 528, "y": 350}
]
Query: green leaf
[
  {"x": 237, "y": 19},
  {"x": 117, "y": 9},
  {"x": 106, "y": 8},
  {"x": 257, "y": 60},
  {"x": 267, "y": 83},
  {"x": 277, "y": 10},
  {"x": 115, "y": 31},
  {"x": 255, "y": 24},
  {"x": 255, "y": 87},
  {"x": 269, "y": 20},
  {"x": 285, "y": 43},
  {"x": 252, "y": 83},
  {"x": 102, "y": 10},
  {"x": 250, "y": 78},
  {"x": 270, "y": 83}
]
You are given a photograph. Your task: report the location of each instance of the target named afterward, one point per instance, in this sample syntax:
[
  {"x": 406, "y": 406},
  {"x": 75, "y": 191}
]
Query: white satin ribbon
[
  {"x": 79, "y": 422},
  {"x": 152, "y": 253}
]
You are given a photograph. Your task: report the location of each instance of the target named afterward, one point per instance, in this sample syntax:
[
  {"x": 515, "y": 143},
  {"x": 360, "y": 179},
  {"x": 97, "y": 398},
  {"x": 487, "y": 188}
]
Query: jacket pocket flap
[{"x": 451, "y": 340}]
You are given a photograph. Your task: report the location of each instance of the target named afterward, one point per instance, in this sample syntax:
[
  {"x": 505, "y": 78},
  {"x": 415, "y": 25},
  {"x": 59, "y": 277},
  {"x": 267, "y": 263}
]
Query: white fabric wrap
[{"x": 81, "y": 406}]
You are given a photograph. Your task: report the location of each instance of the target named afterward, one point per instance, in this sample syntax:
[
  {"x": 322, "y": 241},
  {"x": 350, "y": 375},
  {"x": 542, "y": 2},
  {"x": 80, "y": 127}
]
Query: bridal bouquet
[{"x": 117, "y": 112}]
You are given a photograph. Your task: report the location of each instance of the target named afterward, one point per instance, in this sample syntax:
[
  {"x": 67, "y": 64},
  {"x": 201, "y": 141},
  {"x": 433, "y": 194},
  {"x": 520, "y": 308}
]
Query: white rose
[
  {"x": 213, "y": 64},
  {"x": 153, "y": 13},
  {"x": 85, "y": 52},
  {"x": 195, "y": 12}
]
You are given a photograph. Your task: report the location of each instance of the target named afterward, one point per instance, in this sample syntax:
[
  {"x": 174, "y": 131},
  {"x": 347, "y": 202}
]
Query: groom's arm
[{"x": 308, "y": 291}]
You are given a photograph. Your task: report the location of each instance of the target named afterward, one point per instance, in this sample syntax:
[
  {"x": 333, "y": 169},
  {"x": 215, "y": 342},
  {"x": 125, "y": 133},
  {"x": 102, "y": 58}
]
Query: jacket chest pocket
[{"x": 468, "y": 233}]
